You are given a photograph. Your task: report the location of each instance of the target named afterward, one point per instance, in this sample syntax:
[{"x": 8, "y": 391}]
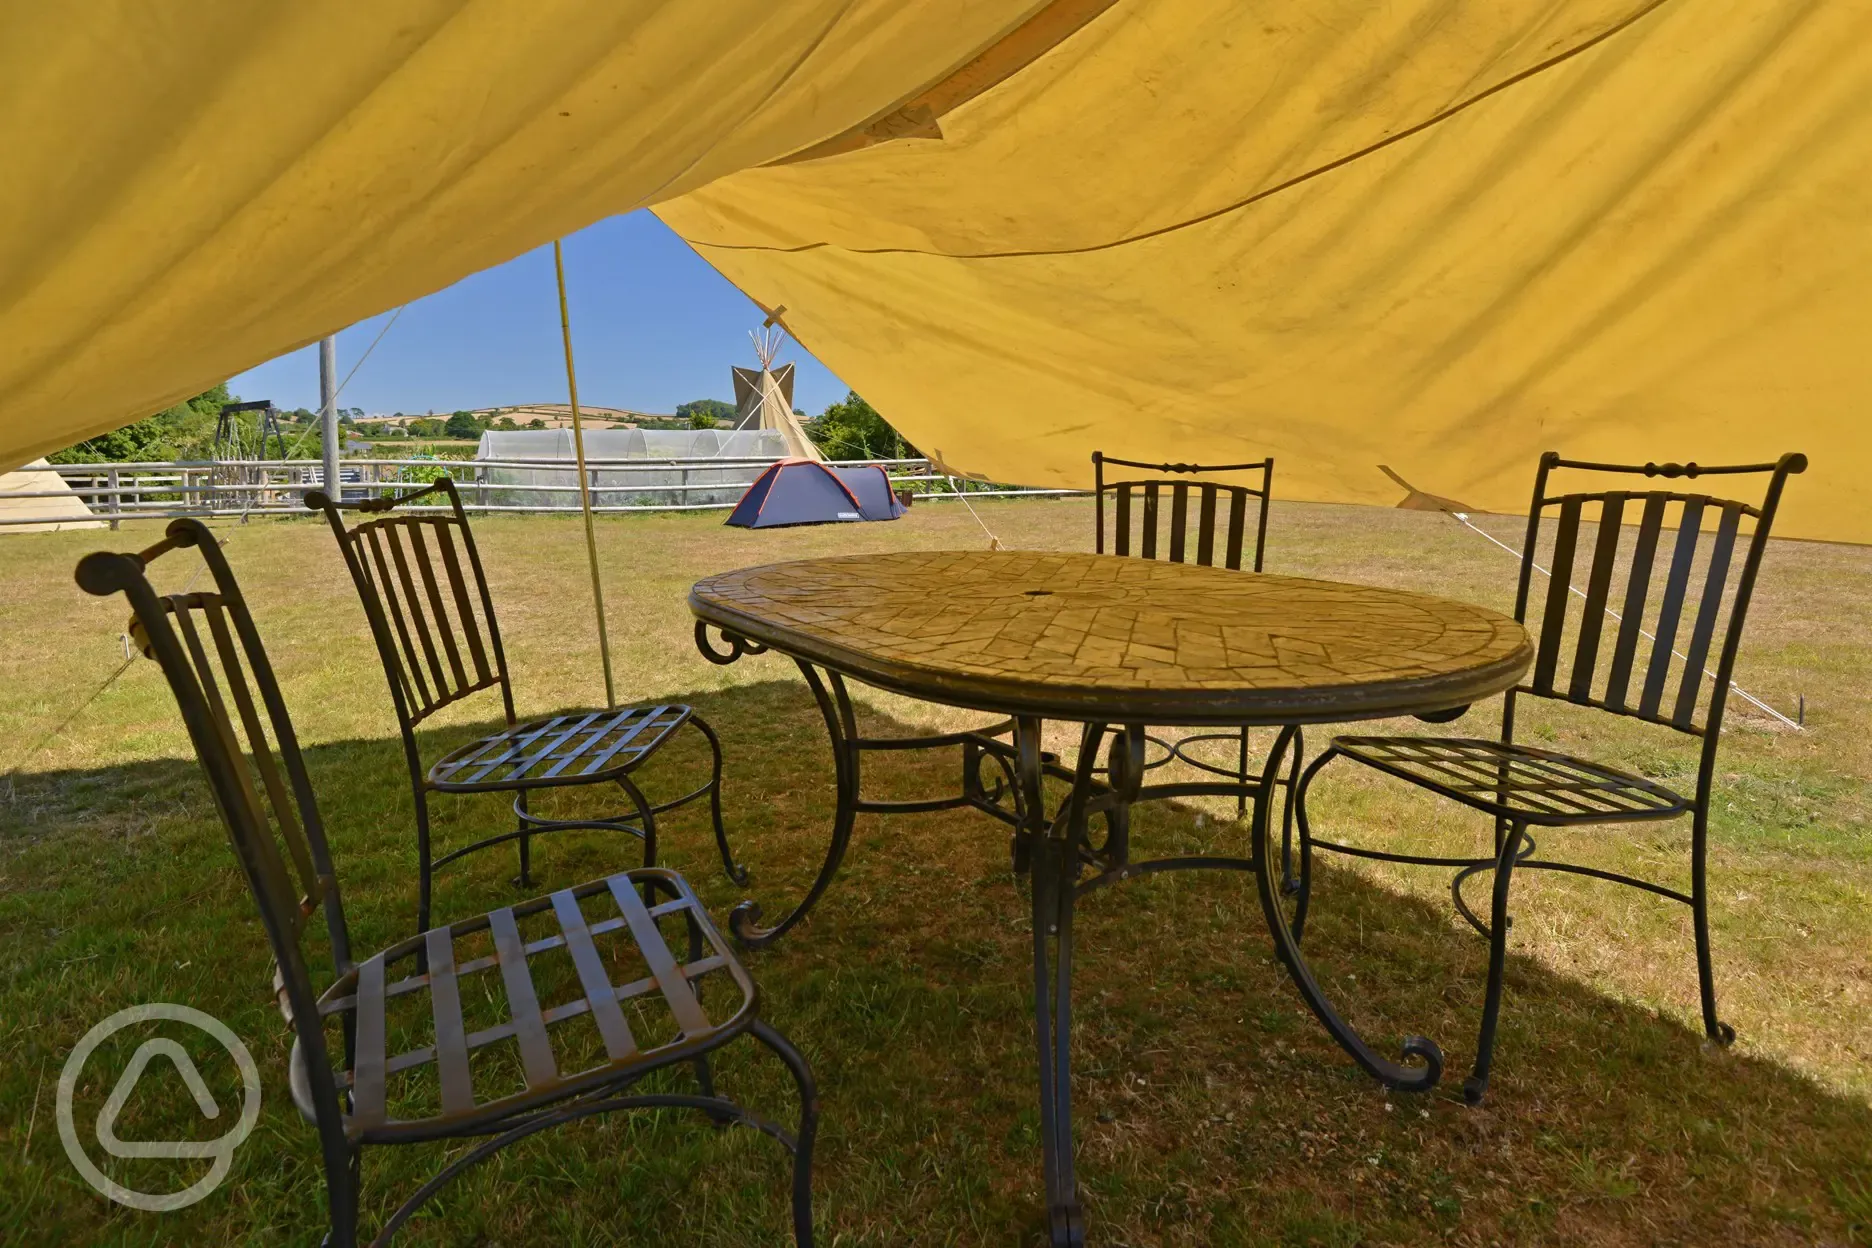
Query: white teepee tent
[
  {"x": 23, "y": 494},
  {"x": 764, "y": 396}
]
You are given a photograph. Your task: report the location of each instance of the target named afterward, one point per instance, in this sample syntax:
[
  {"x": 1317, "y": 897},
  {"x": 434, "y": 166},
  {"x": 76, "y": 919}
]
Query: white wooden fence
[{"x": 161, "y": 491}]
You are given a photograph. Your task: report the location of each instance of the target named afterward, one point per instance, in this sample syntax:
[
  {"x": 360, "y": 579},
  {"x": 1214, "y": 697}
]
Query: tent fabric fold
[
  {"x": 1436, "y": 235},
  {"x": 1440, "y": 237},
  {"x": 194, "y": 189}
]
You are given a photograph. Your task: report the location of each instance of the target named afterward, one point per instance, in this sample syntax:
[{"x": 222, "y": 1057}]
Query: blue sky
[{"x": 652, "y": 326}]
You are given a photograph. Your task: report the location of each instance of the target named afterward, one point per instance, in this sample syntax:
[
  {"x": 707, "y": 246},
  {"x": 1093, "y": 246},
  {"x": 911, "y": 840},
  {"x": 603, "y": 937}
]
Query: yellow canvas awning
[
  {"x": 191, "y": 189},
  {"x": 1436, "y": 236}
]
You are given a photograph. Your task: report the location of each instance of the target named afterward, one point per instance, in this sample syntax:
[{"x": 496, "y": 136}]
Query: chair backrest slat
[
  {"x": 458, "y": 583},
  {"x": 419, "y": 579},
  {"x": 1164, "y": 531},
  {"x": 264, "y": 848},
  {"x": 444, "y": 633},
  {"x": 1261, "y": 518},
  {"x": 1637, "y": 588},
  {"x": 212, "y": 658},
  {"x": 1714, "y": 582},
  {"x": 1238, "y": 527},
  {"x": 1205, "y": 525},
  {"x": 1670, "y": 610},
  {"x": 1598, "y": 585},
  {"x": 1559, "y": 586},
  {"x": 1696, "y": 580},
  {"x": 1179, "y": 519},
  {"x": 412, "y": 602},
  {"x": 407, "y": 666},
  {"x": 260, "y": 751}
]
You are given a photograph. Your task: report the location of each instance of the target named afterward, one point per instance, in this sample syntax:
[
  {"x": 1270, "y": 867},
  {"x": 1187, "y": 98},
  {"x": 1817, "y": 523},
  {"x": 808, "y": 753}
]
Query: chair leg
[
  {"x": 1305, "y": 830},
  {"x": 1241, "y": 774},
  {"x": 705, "y": 1077},
  {"x": 1123, "y": 770},
  {"x": 423, "y": 869},
  {"x": 736, "y": 872},
  {"x": 1476, "y": 1085},
  {"x": 808, "y": 1128},
  {"x": 525, "y": 842},
  {"x": 1713, "y": 1027},
  {"x": 648, "y": 818},
  {"x": 343, "y": 1184}
]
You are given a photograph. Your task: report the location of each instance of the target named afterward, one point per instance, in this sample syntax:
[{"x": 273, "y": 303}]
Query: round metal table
[{"x": 1113, "y": 644}]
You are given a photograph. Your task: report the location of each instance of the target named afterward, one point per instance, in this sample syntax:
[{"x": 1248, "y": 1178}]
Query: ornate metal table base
[
  {"x": 998, "y": 797},
  {"x": 1057, "y": 850}
]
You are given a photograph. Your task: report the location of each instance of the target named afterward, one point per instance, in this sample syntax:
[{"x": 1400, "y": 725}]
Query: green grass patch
[{"x": 1211, "y": 1109}]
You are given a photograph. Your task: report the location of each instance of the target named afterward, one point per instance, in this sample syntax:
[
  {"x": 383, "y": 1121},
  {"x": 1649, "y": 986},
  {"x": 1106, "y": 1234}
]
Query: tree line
[{"x": 848, "y": 429}]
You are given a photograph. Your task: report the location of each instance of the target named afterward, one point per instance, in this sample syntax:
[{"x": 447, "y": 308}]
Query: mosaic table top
[{"x": 1099, "y": 637}]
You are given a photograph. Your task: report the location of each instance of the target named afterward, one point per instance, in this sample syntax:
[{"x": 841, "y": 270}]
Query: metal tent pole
[
  {"x": 585, "y": 503},
  {"x": 328, "y": 415}
]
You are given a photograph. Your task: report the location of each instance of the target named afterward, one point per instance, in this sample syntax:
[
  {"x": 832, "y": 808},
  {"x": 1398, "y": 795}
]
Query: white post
[{"x": 328, "y": 413}]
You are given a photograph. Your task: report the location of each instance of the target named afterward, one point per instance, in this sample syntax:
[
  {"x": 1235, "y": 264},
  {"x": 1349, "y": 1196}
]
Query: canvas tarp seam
[{"x": 1246, "y": 202}]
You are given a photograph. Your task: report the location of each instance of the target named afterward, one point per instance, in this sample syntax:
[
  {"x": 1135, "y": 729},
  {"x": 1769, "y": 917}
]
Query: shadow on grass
[{"x": 1210, "y": 1107}]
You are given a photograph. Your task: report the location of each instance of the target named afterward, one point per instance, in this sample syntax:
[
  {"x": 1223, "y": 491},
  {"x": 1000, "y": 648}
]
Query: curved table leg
[
  {"x": 1268, "y": 879},
  {"x": 835, "y": 707},
  {"x": 1290, "y": 882},
  {"x": 1057, "y": 846},
  {"x": 1305, "y": 891}
]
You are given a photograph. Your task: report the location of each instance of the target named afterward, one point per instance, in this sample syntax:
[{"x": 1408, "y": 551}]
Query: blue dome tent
[{"x": 803, "y": 491}]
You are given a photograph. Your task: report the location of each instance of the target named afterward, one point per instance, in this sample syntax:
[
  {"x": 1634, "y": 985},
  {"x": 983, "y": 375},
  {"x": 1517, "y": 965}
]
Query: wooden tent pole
[{"x": 585, "y": 502}]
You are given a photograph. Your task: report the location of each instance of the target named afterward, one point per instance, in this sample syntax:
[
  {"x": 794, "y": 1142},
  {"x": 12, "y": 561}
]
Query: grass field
[{"x": 1210, "y": 1108}]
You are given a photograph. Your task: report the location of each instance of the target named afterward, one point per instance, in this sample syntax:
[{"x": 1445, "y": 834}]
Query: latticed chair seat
[
  {"x": 1516, "y": 781},
  {"x": 610, "y": 964},
  {"x": 584, "y": 747}
]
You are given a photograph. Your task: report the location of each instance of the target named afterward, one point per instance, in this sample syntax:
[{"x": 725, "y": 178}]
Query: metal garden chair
[
  {"x": 419, "y": 578},
  {"x": 1151, "y": 517},
  {"x": 1522, "y": 786},
  {"x": 405, "y": 1046}
]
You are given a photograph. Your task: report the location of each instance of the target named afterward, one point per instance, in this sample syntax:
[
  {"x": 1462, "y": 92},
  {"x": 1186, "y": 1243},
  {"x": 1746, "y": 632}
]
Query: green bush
[
  {"x": 854, "y": 430},
  {"x": 185, "y": 431}
]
